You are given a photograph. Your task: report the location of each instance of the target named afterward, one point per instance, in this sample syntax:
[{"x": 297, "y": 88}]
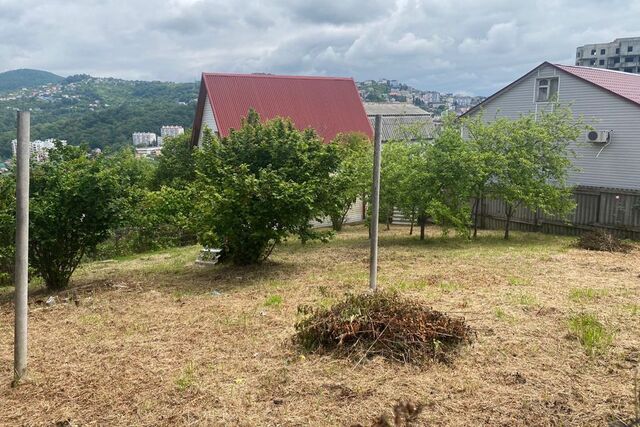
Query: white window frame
[{"x": 548, "y": 85}]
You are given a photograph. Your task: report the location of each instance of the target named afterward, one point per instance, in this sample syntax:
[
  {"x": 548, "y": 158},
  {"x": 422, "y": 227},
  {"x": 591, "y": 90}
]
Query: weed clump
[
  {"x": 382, "y": 324},
  {"x": 600, "y": 240},
  {"x": 592, "y": 334}
]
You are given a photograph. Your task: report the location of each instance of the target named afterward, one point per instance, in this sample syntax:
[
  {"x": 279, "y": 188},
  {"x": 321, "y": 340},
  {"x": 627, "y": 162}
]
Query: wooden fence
[{"x": 618, "y": 211}]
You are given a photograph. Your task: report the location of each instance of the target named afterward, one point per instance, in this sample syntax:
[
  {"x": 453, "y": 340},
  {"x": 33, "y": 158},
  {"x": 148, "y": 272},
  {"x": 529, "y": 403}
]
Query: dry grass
[{"x": 158, "y": 341}]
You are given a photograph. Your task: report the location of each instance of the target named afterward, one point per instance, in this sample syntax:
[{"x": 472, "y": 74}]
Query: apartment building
[
  {"x": 620, "y": 55},
  {"x": 144, "y": 139}
]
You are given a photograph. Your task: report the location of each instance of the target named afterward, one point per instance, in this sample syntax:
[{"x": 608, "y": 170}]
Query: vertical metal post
[
  {"x": 23, "y": 154},
  {"x": 375, "y": 206}
]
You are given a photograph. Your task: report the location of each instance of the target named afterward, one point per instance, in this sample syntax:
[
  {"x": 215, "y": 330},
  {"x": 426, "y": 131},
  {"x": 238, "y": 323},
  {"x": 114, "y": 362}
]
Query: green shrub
[{"x": 261, "y": 184}]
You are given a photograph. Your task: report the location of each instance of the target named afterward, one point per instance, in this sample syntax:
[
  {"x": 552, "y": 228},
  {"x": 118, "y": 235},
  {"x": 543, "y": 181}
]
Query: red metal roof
[
  {"x": 330, "y": 105},
  {"x": 626, "y": 85}
]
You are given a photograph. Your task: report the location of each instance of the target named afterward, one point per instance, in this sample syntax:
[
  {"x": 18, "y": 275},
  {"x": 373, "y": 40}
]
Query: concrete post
[
  {"x": 23, "y": 153},
  {"x": 375, "y": 205}
]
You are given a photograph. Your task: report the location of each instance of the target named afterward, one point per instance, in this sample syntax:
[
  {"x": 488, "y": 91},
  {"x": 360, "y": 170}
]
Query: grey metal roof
[
  {"x": 393, "y": 109},
  {"x": 405, "y": 127}
]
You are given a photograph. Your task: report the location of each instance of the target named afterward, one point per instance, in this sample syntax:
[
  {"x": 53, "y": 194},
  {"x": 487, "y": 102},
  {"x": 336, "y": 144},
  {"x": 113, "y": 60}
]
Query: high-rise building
[
  {"x": 144, "y": 139},
  {"x": 166, "y": 131},
  {"x": 620, "y": 54},
  {"x": 39, "y": 149}
]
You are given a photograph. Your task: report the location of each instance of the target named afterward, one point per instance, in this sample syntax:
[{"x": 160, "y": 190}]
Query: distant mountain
[
  {"x": 99, "y": 112},
  {"x": 25, "y": 78}
]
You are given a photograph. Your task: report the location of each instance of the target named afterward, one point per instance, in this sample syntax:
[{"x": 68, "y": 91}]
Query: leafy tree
[
  {"x": 353, "y": 176},
  {"x": 176, "y": 165},
  {"x": 529, "y": 160},
  {"x": 453, "y": 169},
  {"x": 260, "y": 184},
  {"x": 394, "y": 169},
  {"x": 74, "y": 204}
]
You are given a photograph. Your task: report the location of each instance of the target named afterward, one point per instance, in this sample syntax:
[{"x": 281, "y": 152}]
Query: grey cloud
[{"x": 462, "y": 45}]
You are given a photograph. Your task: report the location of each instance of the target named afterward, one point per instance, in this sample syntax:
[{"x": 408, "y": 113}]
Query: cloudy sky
[{"x": 465, "y": 46}]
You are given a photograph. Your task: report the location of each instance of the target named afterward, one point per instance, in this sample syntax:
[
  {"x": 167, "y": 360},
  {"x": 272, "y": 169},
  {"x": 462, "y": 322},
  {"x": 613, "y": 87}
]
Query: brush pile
[
  {"x": 600, "y": 240},
  {"x": 382, "y": 324}
]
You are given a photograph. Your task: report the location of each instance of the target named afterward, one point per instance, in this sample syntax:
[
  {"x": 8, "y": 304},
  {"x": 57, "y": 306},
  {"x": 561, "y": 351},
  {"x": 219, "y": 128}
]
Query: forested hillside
[
  {"x": 101, "y": 112},
  {"x": 25, "y": 78}
]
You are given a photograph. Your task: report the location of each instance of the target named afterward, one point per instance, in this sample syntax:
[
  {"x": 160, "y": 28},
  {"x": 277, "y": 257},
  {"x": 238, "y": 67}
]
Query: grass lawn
[{"x": 156, "y": 340}]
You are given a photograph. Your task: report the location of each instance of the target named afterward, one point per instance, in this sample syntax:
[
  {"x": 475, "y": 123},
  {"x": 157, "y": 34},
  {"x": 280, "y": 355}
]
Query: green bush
[{"x": 261, "y": 184}]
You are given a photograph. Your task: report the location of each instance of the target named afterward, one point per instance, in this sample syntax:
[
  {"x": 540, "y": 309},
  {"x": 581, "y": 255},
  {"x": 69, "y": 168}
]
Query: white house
[{"x": 607, "y": 159}]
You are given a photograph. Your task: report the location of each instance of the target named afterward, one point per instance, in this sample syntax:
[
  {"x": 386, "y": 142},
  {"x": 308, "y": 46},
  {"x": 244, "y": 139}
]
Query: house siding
[
  {"x": 618, "y": 165},
  {"x": 208, "y": 120}
]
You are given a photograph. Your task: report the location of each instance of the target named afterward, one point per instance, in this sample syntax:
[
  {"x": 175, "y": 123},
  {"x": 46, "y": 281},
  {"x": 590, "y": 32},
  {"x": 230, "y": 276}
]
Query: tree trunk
[
  {"x": 509, "y": 212},
  {"x": 476, "y": 210},
  {"x": 423, "y": 223}
]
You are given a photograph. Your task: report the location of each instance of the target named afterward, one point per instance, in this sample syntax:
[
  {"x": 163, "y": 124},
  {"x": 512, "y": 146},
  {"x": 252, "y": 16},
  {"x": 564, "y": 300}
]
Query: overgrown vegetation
[
  {"x": 382, "y": 324},
  {"x": 602, "y": 240}
]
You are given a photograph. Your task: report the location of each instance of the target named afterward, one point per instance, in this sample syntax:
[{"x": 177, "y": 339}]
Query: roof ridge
[
  {"x": 583, "y": 67},
  {"x": 277, "y": 76}
]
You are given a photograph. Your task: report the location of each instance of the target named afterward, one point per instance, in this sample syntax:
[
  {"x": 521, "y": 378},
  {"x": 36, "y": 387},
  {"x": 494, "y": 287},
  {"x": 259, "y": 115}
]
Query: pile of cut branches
[
  {"x": 601, "y": 240},
  {"x": 382, "y": 324}
]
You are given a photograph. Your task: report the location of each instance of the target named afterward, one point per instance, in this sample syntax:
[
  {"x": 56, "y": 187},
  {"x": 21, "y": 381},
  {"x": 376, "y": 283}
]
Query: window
[
  {"x": 601, "y": 62},
  {"x": 546, "y": 89},
  {"x": 617, "y": 51},
  {"x": 629, "y": 59},
  {"x": 616, "y": 60},
  {"x": 629, "y": 48},
  {"x": 603, "y": 51},
  {"x": 592, "y": 62},
  {"x": 593, "y": 51},
  {"x": 628, "y": 70}
]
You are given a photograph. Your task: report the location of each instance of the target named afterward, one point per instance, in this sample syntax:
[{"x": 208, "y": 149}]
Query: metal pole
[
  {"x": 375, "y": 206},
  {"x": 23, "y": 153}
]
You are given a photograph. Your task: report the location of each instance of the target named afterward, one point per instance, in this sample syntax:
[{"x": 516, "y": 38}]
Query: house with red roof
[
  {"x": 607, "y": 175},
  {"x": 330, "y": 105}
]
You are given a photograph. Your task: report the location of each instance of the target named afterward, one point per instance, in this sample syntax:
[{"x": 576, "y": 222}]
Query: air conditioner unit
[{"x": 599, "y": 137}]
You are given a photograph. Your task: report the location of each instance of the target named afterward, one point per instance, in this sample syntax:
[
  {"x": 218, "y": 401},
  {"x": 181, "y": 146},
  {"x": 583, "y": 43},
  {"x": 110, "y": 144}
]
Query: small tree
[
  {"x": 393, "y": 174},
  {"x": 533, "y": 158},
  {"x": 453, "y": 169},
  {"x": 352, "y": 178},
  {"x": 74, "y": 205},
  {"x": 260, "y": 184}
]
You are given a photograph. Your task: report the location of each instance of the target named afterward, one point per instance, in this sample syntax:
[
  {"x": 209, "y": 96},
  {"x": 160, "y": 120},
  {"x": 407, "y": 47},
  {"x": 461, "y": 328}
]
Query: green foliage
[
  {"x": 7, "y": 228},
  {"x": 352, "y": 179},
  {"x": 592, "y": 334},
  {"x": 75, "y": 202},
  {"x": 260, "y": 184},
  {"x": 101, "y": 112},
  {"x": 176, "y": 165},
  {"x": 525, "y": 162}
]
